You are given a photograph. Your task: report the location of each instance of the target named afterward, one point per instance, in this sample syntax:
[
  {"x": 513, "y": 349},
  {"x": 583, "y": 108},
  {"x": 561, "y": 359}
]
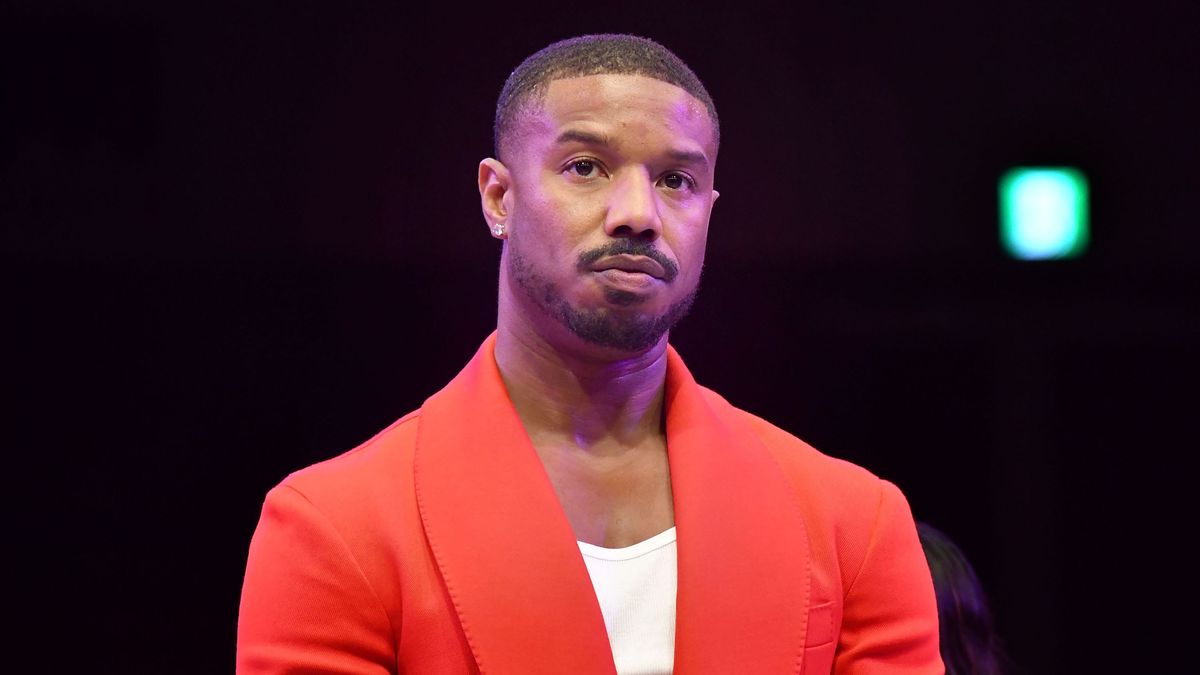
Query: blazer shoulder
[
  {"x": 371, "y": 466},
  {"x": 848, "y": 510},
  {"x": 797, "y": 457}
]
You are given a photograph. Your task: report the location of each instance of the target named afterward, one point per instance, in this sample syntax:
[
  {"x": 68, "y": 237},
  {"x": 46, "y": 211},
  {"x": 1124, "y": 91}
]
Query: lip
[
  {"x": 630, "y": 264},
  {"x": 636, "y": 283}
]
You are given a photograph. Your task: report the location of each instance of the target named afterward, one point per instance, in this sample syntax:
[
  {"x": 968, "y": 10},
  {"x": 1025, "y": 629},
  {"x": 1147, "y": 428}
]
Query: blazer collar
[{"x": 512, "y": 567}]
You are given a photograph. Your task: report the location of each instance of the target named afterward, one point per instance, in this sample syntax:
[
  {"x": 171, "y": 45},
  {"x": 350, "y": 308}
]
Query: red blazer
[{"x": 439, "y": 546}]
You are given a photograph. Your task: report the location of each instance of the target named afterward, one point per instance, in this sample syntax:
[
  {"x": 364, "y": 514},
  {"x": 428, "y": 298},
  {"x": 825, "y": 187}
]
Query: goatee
[{"x": 629, "y": 331}]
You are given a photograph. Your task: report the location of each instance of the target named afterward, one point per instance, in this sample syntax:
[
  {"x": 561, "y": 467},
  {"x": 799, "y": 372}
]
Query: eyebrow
[
  {"x": 588, "y": 138},
  {"x": 688, "y": 157},
  {"x": 577, "y": 136}
]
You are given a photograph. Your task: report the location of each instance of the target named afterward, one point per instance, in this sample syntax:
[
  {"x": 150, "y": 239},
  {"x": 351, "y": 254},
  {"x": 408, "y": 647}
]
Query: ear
[
  {"x": 715, "y": 195},
  {"x": 495, "y": 182}
]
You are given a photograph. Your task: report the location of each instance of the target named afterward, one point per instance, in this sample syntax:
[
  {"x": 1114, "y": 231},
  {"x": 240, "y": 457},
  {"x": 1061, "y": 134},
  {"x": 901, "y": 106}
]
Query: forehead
[{"x": 622, "y": 104}]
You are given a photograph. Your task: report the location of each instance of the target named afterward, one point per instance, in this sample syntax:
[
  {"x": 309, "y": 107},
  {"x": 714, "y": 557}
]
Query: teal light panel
[{"x": 1043, "y": 213}]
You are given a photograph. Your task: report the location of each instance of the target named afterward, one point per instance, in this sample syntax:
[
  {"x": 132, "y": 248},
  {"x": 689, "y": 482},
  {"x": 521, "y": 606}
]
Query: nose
[{"x": 633, "y": 207}]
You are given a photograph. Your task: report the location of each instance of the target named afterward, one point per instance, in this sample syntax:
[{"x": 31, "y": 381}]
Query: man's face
[{"x": 611, "y": 191}]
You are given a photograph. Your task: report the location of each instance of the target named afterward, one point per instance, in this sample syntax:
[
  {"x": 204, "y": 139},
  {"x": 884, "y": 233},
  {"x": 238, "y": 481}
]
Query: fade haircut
[{"x": 603, "y": 54}]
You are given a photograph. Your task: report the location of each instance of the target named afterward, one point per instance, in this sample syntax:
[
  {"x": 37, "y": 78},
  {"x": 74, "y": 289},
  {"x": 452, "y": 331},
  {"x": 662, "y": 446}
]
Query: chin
[
  {"x": 619, "y": 328},
  {"x": 622, "y": 298}
]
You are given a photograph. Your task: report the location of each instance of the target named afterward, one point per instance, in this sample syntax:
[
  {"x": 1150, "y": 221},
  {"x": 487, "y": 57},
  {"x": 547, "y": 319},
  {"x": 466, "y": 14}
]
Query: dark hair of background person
[
  {"x": 605, "y": 53},
  {"x": 969, "y": 641}
]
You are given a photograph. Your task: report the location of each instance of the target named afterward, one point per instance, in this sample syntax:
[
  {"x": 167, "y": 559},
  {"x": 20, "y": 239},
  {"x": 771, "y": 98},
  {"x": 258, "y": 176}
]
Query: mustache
[{"x": 629, "y": 247}]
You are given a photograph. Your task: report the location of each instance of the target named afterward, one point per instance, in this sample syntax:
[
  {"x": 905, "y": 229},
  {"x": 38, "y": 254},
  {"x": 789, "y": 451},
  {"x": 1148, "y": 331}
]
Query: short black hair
[{"x": 601, "y": 54}]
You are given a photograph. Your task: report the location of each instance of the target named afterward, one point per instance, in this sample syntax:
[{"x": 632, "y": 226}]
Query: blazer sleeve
[
  {"x": 306, "y": 606},
  {"x": 889, "y": 621}
]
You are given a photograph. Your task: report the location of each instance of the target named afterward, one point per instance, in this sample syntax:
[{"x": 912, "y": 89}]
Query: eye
[
  {"x": 677, "y": 181},
  {"x": 584, "y": 168}
]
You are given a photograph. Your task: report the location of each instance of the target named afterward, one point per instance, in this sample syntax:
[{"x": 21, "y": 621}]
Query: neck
[{"x": 590, "y": 399}]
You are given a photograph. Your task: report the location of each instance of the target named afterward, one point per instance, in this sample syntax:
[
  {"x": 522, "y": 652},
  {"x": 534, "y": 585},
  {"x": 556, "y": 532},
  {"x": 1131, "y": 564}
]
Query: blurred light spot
[{"x": 1043, "y": 213}]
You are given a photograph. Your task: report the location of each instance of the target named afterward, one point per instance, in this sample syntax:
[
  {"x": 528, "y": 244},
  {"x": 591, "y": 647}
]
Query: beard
[{"x": 629, "y": 331}]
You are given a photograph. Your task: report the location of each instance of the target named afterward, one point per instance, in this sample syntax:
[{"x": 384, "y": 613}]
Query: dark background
[{"x": 237, "y": 241}]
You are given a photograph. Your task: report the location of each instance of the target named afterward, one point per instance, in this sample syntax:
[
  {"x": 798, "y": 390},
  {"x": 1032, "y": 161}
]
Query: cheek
[
  {"x": 695, "y": 264},
  {"x": 560, "y": 220},
  {"x": 532, "y": 218},
  {"x": 542, "y": 232},
  {"x": 691, "y": 236}
]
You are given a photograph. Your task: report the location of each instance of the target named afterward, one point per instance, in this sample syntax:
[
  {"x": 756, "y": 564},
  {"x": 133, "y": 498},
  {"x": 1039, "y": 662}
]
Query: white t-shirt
[{"x": 636, "y": 589}]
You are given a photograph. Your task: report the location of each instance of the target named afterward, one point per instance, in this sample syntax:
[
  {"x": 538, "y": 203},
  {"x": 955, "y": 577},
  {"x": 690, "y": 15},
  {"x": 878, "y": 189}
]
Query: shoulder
[
  {"x": 838, "y": 498},
  {"x": 796, "y": 457},
  {"x": 322, "y": 577},
  {"x": 357, "y": 507},
  {"x": 851, "y": 515},
  {"x": 366, "y": 474}
]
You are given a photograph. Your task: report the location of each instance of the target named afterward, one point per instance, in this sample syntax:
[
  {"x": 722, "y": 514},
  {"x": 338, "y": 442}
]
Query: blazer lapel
[
  {"x": 512, "y": 567},
  {"x": 507, "y": 554},
  {"x": 744, "y": 577}
]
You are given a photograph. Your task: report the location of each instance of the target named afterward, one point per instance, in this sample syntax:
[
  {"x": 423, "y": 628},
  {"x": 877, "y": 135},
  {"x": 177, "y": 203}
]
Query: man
[{"x": 573, "y": 502}]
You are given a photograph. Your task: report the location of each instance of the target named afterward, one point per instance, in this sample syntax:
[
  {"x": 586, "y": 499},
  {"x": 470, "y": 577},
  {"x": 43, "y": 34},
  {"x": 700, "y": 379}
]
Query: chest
[{"x": 612, "y": 498}]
